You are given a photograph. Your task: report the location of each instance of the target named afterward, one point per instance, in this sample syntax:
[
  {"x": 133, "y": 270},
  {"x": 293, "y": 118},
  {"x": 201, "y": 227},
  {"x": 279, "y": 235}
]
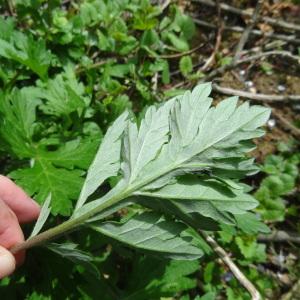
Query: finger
[
  {"x": 7, "y": 262},
  {"x": 10, "y": 231},
  {"x": 23, "y": 206}
]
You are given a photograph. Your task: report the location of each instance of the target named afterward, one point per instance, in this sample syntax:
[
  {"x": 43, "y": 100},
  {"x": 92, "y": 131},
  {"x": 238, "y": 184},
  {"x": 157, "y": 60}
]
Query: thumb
[{"x": 7, "y": 262}]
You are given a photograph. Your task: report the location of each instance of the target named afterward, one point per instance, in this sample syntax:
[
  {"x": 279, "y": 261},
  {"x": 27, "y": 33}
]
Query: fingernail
[{"x": 7, "y": 263}]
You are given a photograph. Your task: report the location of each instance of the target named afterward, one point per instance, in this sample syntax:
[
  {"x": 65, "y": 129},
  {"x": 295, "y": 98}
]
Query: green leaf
[
  {"x": 208, "y": 296},
  {"x": 43, "y": 178},
  {"x": 166, "y": 72},
  {"x": 7, "y": 28},
  {"x": 251, "y": 249},
  {"x": 186, "y": 65},
  {"x": 75, "y": 153},
  {"x": 150, "y": 232},
  {"x": 190, "y": 212},
  {"x": 186, "y": 24},
  {"x": 250, "y": 224},
  {"x": 18, "y": 119},
  {"x": 150, "y": 38},
  {"x": 281, "y": 180},
  {"x": 63, "y": 95},
  {"x": 27, "y": 51},
  {"x": 179, "y": 43},
  {"x": 52, "y": 171},
  {"x": 160, "y": 278}
]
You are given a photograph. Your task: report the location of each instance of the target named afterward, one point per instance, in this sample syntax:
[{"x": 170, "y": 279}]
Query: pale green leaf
[
  {"x": 44, "y": 214},
  {"x": 187, "y": 135},
  {"x": 107, "y": 160},
  {"x": 150, "y": 232},
  {"x": 207, "y": 190},
  {"x": 141, "y": 145}
]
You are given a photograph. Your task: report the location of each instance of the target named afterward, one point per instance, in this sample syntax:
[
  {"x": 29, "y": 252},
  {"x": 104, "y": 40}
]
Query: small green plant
[{"x": 282, "y": 174}]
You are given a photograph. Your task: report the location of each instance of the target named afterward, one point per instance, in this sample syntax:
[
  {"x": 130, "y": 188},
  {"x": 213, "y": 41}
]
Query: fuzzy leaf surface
[
  {"x": 44, "y": 214},
  {"x": 107, "y": 160},
  {"x": 150, "y": 232},
  {"x": 209, "y": 191},
  {"x": 188, "y": 135}
]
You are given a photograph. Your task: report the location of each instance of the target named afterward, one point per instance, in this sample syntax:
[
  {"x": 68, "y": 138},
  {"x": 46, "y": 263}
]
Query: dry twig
[
  {"x": 295, "y": 131},
  {"x": 253, "y": 96},
  {"x": 177, "y": 55},
  {"x": 232, "y": 266},
  {"x": 280, "y": 236},
  {"x": 288, "y": 38},
  {"x": 247, "y": 31},
  {"x": 211, "y": 59},
  {"x": 294, "y": 293},
  {"x": 79, "y": 70},
  {"x": 237, "y": 11},
  {"x": 221, "y": 70},
  {"x": 165, "y": 4},
  {"x": 11, "y": 7}
]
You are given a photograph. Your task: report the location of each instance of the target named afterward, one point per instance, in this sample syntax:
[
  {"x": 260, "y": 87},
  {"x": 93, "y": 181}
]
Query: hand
[{"x": 15, "y": 208}]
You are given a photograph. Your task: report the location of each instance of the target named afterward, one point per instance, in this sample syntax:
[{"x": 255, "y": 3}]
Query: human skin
[{"x": 15, "y": 208}]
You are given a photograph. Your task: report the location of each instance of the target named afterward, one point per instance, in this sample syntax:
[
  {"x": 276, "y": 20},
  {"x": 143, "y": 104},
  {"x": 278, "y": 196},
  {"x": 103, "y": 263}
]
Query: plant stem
[
  {"x": 248, "y": 285},
  {"x": 65, "y": 227}
]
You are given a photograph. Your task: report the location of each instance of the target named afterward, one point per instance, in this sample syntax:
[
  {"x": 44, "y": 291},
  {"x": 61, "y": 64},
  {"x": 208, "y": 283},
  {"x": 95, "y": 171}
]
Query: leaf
[
  {"x": 209, "y": 191},
  {"x": 251, "y": 250},
  {"x": 179, "y": 43},
  {"x": 165, "y": 72},
  {"x": 141, "y": 145},
  {"x": 75, "y": 153},
  {"x": 18, "y": 119},
  {"x": 282, "y": 180},
  {"x": 44, "y": 214},
  {"x": 106, "y": 162},
  {"x": 7, "y": 28},
  {"x": 186, "y": 24},
  {"x": 150, "y": 232},
  {"x": 27, "y": 51},
  {"x": 64, "y": 95},
  {"x": 78, "y": 257},
  {"x": 161, "y": 278},
  {"x": 250, "y": 224},
  {"x": 209, "y": 140},
  {"x": 43, "y": 178},
  {"x": 186, "y": 135},
  {"x": 187, "y": 211},
  {"x": 208, "y": 296},
  {"x": 186, "y": 65}
]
